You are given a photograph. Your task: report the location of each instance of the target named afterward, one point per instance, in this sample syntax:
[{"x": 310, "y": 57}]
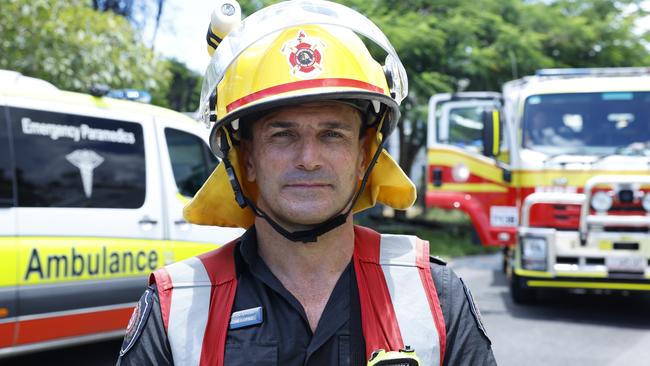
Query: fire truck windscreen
[{"x": 588, "y": 123}]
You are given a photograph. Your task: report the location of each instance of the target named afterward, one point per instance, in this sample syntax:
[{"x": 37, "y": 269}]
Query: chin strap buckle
[{"x": 234, "y": 182}]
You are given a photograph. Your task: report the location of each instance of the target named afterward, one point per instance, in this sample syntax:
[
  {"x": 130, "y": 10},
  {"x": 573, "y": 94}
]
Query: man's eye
[
  {"x": 281, "y": 134},
  {"x": 333, "y": 134}
]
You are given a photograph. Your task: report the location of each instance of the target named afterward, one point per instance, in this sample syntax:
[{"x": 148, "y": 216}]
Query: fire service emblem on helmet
[{"x": 304, "y": 55}]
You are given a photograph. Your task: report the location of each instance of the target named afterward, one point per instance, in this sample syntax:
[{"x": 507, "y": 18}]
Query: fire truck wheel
[{"x": 520, "y": 293}]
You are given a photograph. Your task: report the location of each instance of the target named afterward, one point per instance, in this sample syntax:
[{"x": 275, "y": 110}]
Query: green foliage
[
  {"x": 449, "y": 233},
  {"x": 185, "y": 87},
  {"x": 74, "y": 47}
]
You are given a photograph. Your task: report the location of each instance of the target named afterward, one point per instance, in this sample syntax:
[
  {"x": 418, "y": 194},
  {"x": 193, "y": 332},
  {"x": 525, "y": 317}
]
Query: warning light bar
[{"x": 595, "y": 71}]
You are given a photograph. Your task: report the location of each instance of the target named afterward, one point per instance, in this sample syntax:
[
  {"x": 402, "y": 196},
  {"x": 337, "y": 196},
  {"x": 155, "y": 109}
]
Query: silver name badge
[{"x": 245, "y": 318}]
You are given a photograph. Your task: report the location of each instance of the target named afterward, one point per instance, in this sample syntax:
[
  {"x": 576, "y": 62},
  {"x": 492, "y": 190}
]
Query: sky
[{"x": 182, "y": 32}]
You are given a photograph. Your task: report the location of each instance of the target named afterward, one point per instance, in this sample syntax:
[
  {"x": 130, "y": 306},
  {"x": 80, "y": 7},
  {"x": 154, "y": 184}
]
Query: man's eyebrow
[
  {"x": 337, "y": 125},
  {"x": 280, "y": 124}
]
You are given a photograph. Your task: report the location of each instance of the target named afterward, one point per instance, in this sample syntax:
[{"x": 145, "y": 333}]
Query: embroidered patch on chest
[
  {"x": 137, "y": 321},
  {"x": 245, "y": 318}
]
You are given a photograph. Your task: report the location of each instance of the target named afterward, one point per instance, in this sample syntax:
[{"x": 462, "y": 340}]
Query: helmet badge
[{"x": 304, "y": 55}]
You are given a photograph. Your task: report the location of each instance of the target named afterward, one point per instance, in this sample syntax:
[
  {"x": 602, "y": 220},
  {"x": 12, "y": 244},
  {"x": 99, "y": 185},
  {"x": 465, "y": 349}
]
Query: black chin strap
[{"x": 304, "y": 236}]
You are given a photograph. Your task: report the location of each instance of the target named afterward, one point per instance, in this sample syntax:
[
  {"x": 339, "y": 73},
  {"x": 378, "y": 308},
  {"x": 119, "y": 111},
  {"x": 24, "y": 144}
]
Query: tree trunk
[{"x": 161, "y": 3}]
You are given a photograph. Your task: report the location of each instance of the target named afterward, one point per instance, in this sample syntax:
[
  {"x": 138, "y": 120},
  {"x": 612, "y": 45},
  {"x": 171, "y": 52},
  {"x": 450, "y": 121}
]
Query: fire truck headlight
[
  {"x": 533, "y": 253},
  {"x": 601, "y": 201},
  {"x": 460, "y": 172},
  {"x": 646, "y": 202}
]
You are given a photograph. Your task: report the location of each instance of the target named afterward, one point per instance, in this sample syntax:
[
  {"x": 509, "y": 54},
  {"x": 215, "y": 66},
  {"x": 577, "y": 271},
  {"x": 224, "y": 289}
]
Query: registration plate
[
  {"x": 625, "y": 263},
  {"x": 504, "y": 216}
]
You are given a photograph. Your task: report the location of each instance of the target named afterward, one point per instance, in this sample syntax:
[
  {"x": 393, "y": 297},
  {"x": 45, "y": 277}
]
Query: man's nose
[{"x": 309, "y": 154}]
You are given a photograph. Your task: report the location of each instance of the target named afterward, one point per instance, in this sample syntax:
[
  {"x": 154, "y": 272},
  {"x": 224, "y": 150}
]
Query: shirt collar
[
  {"x": 336, "y": 311},
  {"x": 248, "y": 247}
]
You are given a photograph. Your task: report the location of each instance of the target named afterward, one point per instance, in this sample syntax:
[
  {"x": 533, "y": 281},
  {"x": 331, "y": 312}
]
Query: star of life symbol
[
  {"x": 304, "y": 55},
  {"x": 86, "y": 161}
]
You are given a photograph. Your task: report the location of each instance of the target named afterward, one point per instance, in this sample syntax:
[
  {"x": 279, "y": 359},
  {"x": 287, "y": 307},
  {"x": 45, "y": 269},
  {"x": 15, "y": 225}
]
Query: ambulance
[
  {"x": 556, "y": 169},
  {"x": 91, "y": 198}
]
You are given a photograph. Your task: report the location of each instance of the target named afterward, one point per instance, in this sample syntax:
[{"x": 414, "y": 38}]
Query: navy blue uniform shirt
[{"x": 284, "y": 336}]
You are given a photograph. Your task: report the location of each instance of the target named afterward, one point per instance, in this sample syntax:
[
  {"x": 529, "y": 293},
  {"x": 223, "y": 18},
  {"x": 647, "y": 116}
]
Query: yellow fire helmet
[{"x": 290, "y": 53}]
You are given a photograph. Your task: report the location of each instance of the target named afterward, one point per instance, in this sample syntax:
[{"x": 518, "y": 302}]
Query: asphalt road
[{"x": 562, "y": 329}]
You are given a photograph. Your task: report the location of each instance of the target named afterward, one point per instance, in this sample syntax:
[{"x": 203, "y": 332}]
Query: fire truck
[{"x": 556, "y": 170}]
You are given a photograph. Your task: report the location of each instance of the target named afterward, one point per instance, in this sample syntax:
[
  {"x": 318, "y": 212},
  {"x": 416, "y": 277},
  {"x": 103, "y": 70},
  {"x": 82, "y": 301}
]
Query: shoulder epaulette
[{"x": 437, "y": 260}]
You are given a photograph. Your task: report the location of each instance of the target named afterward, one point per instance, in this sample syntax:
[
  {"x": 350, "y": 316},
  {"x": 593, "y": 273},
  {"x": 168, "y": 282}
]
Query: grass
[{"x": 450, "y": 233}]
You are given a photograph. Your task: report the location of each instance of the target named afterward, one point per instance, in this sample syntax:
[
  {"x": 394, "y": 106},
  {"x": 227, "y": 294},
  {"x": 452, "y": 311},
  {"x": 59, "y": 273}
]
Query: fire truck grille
[{"x": 558, "y": 216}]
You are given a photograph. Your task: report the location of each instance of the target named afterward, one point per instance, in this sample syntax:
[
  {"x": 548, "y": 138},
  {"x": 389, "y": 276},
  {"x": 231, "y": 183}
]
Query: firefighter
[{"x": 301, "y": 111}]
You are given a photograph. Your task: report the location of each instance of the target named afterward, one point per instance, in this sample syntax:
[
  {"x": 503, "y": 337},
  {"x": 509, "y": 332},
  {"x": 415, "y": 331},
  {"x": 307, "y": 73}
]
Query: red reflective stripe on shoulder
[
  {"x": 378, "y": 320},
  {"x": 163, "y": 282},
  {"x": 220, "y": 265},
  {"x": 366, "y": 252},
  {"x": 422, "y": 261}
]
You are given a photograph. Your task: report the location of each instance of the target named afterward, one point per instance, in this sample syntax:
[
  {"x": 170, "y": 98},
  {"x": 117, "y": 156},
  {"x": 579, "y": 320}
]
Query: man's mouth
[{"x": 308, "y": 185}]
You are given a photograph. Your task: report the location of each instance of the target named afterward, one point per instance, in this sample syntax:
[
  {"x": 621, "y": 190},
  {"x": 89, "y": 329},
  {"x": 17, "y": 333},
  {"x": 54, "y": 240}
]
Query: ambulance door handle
[
  {"x": 182, "y": 224},
  {"x": 147, "y": 221}
]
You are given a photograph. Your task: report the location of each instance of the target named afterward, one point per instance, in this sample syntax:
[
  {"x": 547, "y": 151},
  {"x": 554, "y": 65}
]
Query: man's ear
[
  {"x": 365, "y": 153},
  {"x": 246, "y": 158}
]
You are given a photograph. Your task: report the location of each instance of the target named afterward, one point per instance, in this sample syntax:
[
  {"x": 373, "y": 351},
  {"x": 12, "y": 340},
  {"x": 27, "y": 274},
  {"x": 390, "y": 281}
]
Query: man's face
[{"x": 306, "y": 161}]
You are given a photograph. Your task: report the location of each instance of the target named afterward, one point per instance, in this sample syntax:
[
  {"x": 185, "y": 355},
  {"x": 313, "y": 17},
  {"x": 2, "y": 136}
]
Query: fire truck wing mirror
[{"x": 491, "y": 132}]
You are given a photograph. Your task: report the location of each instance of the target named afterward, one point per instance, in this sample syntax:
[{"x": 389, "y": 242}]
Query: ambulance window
[
  {"x": 6, "y": 192},
  {"x": 192, "y": 161},
  {"x": 65, "y": 160}
]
